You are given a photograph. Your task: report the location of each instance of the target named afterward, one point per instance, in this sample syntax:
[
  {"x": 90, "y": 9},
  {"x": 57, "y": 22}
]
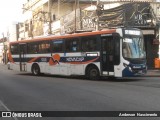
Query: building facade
[{"x": 44, "y": 17}]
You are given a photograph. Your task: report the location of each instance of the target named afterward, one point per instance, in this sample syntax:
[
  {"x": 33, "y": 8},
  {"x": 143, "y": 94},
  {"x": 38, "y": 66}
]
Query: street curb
[
  {"x": 151, "y": 76},
  {"x": 153, "y": 73}
]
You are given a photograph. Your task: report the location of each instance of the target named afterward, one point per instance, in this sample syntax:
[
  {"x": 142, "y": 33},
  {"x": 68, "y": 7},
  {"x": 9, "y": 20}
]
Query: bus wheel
[
  {"x": 35, "y": 69},
  {"x": 93, "y": 73}
]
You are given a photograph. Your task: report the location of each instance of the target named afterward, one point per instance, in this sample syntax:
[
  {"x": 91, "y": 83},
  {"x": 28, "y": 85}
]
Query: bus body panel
[{"x": 63, "y": 68}]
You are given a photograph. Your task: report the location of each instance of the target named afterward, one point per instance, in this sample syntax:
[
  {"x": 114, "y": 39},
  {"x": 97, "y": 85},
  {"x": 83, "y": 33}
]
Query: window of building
[{"x": 26, "y": 27}]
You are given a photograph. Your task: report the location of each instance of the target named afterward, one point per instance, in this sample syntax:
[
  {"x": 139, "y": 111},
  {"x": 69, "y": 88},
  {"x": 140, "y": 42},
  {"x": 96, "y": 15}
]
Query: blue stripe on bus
[{"x": 62, "y": 59}]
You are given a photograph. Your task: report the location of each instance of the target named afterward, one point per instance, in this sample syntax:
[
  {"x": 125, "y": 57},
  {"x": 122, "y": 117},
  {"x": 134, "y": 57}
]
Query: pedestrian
[{"x": 2, "y": 60}]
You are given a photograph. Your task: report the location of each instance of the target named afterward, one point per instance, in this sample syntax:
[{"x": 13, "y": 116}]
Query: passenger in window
[{"x": 74, "y": 48}]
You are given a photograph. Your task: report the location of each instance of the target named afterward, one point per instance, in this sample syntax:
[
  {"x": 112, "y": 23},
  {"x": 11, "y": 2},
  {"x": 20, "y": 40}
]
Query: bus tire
[
  {"x": 93, "y": 73},
  {"x": 35, "y": 70}
]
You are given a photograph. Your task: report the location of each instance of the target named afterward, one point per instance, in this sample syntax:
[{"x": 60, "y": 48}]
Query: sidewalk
[{"x": 153, "y": 73}]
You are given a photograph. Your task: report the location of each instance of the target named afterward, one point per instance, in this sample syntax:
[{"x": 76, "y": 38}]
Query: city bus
[{"x": 116, "y": 52}]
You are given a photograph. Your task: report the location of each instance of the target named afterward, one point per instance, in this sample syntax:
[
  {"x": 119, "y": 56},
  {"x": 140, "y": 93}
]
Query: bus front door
[
  {"x": 107, "y": 53},
  {"x": 22, "y": 56}
]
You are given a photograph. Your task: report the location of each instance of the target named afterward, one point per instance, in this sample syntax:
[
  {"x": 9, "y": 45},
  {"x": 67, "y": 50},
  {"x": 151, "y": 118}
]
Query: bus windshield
[{"x": 133, "y": 47}]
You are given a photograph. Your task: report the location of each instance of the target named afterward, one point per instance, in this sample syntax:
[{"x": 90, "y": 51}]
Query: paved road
[{"x": 24, "y": 92}]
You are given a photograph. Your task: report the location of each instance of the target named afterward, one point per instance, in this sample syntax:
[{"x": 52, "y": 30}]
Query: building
[
  {"x": 44, "y": 17},
  {"x": 3, "y": 49},
  {"x": 13, "y": 32}
]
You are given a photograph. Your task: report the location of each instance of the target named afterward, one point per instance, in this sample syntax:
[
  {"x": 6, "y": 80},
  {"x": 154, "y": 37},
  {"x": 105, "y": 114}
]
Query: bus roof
[{"x": 54, "y": 37}]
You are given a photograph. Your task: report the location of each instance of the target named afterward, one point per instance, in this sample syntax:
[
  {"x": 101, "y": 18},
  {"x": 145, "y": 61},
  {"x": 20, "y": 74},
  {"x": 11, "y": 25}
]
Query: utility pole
[
  {"x": 59, "y": 3},
  {"x": 75, "y": 16},
  {"x": 49, "y": 15},
  {"x": 159, "y": 41},
  {"x": 97, "y": 25},
  {"x": 4, "y": 50}
]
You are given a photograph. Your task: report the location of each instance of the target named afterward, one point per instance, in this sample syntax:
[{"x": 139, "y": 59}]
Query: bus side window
[
  {"x": 44, "y": 47},
  {"x": 58, "y": 45},
  {"x": 89, "y": 43},
  {"x": 32, "y": 48},
  {"x": 14, "y": 49},
  {"x": 72, "y": 45}
]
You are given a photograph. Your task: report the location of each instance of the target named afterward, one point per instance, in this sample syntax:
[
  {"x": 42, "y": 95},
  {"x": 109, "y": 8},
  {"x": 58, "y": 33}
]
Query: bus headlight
[
  {"x": 130, "y": 69},
  {"x": 125, "y": 65},
  {"x": 144, "y": 66}
]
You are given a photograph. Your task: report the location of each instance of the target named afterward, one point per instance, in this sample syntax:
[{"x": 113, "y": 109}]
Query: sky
[{"x": 10, "y": 11}]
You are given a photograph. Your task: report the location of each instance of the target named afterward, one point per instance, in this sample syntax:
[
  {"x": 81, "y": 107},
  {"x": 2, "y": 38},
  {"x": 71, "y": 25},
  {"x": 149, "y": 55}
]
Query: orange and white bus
[{"x": 114, "y": 52}]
